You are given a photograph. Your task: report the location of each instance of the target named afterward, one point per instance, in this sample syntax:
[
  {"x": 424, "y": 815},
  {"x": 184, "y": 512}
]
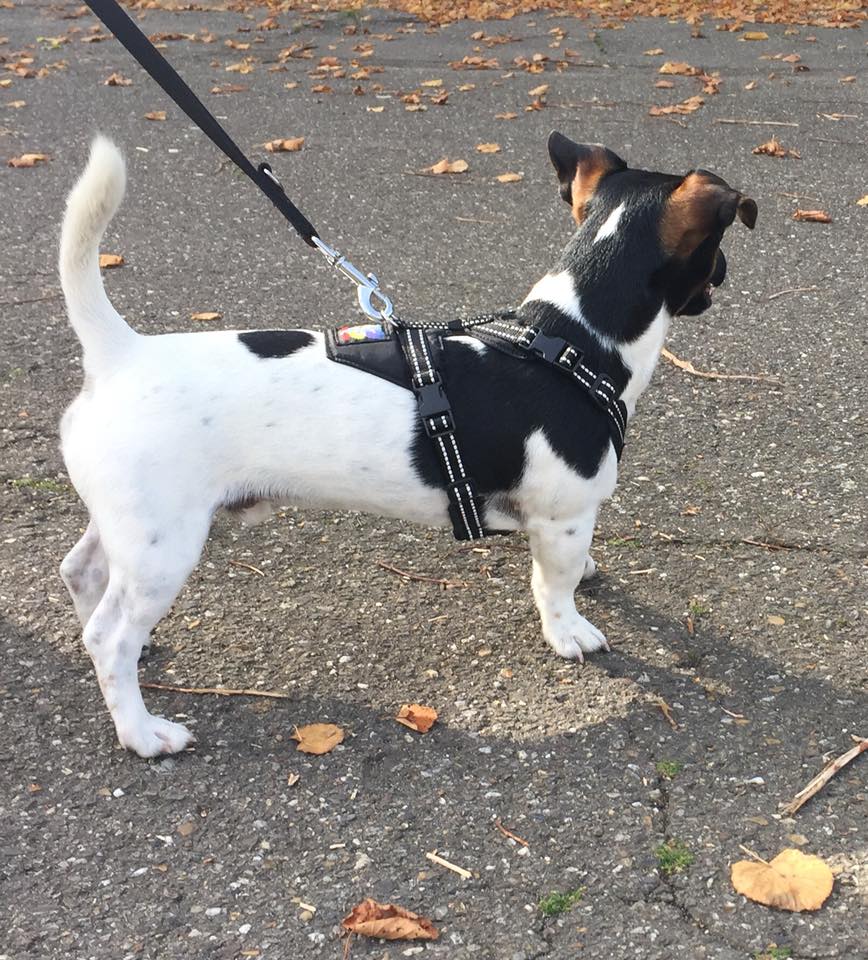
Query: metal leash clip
[{"x": 372, "y": 300}]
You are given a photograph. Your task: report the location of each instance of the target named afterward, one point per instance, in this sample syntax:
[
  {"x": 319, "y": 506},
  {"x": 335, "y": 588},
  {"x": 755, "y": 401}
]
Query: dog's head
[{"x": 659, "y": 232}]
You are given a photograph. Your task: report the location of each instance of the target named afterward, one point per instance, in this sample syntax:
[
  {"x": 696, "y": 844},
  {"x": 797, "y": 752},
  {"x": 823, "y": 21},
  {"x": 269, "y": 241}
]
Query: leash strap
[
  {"x": 435, "y": 413},
  {"x": 161, "y": 71}
]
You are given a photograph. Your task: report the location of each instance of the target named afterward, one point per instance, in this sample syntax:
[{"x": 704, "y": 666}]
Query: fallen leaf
[
  {"x": 505, "y": 116},
  {"x": 206, "y": 315},
  {"x": 322, "y": 88},
  {"x": 754, "y": 35},
  {"x": 376, "y": 109},
  {"x": 664, "y": 84},
  {"x": 847, "y": 79},
  {"x": 488, "y": 147},
  {"x": 440, "y": 98},
  {"x": 117, "y": 80},
  {"x": 812, "y": 216},
  {"x": 156, "y": 115},
  {"x": 775, "y": 620},
  {"x": 686, "y": 106},
  {"x": 417, "y": 717},
  {"x": 656, "y": 52},
  {"x": 448, "y": 166},
  {"x": 432, "y": 83},
  {"x": 862, "y": 201},
  {"x": 288, "y": 145},
  {"x": 510, "y": 177},
  {"x": 466, "y": 86},
  {"x": 229, "y": 88},
  {"x": 318, "y": 738},
  {"x": 388, "y": 922},
  {"x": 792, "y": 881},
  {"x": 16, "y": 104},
  {"x": 752, "y": 85},
  {"x": 679, "y": 68},
  {"x": 27, "y": 160},
  {"x": 109, "y": 260},
  {"x": 774, "y": 148},
  {"x": 539, "y": 91}
]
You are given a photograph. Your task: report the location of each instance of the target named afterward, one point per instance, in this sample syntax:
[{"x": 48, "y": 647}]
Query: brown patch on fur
[
  {"x": 589, "y": 172},
  {"x": 690, "y": 215},
  {"x": 694, "y": 210}
]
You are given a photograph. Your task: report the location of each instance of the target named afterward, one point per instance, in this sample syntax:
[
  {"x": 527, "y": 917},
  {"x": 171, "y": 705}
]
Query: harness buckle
[
  {"x": 549, "y": 348},
  {"x": 431, "y": 399}
]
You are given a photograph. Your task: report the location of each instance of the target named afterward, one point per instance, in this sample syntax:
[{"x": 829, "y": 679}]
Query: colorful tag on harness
[{"x": 363, "y": 333}]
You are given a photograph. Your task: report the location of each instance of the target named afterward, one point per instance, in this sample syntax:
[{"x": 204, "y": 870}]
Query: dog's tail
[{"x": 92, "y": 203}]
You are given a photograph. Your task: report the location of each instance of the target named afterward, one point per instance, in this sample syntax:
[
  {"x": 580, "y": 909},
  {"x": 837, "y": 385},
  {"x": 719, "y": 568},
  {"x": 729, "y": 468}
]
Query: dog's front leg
[{"x": 560, "y": 561}]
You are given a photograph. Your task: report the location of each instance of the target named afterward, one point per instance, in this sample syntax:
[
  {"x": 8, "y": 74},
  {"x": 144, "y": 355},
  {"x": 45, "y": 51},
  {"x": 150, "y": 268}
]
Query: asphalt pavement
[{"x": 733, "y": 558}]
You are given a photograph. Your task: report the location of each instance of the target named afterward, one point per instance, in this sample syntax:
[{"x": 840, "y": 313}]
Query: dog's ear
[
  {"x": 580, "y": 167},
  {"x": 702, "y": 204}
]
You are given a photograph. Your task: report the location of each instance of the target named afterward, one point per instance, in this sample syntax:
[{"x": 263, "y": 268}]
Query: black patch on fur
[{"x": 272, "y": 344}]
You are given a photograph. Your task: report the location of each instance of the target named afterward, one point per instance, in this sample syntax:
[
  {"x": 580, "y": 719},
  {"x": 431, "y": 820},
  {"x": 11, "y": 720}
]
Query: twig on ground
[
  {"x": 771, "y": 546},
  {"x": 666, "y": 710},
  {"x": 18, "y": 303},
  {"x": 735, "y": 716},
  {"x": 246, "y": 566},
  {"x": 434, "y": 858},
  {"x": 824, "y": 776},
  {"x": 757, "y": 123},
  {"x": 408, "y": 575},
  {"x": 216, "y": 691},
  {"x": 800, "y": 196},
  {"x": 688, "y": 367},
  {"x": 347, "y": 943},
  {"x": 783, "y": 293},
  {"x": 509, "y": 833},
  {"x": 473, "y": 220},
  {"x": 752, "y": 855}
]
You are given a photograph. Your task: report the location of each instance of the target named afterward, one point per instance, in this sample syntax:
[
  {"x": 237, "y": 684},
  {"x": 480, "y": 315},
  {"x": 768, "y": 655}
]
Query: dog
[{"x": 168, "y": 429}]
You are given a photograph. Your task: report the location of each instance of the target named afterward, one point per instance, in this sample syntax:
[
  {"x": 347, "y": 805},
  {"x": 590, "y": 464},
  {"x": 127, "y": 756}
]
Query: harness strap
[
  {"x": 435, "y": 413},
  {"x": 568, "y": 359},
  {"x": 160, "y": 70}
]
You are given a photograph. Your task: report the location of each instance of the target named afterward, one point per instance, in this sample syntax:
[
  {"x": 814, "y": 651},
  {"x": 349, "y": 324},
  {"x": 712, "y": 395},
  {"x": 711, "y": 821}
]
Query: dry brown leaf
[
  {"x": 656, "y": 52},
  {"x": 229, "y": 88},
  {"x": 792, "y": 881},
  {"x": 387, "y": 921},
  {"x": 375, "y": 109},
  {"x": 156, "y": 115},
  {"x": 505, "y": 116},
  {"x": 752, "y": 85},
  {"x": 117, "y": 80},
  {"x": 417, "y": 717},
  {"x": 679, "y": 68},
  {"x": 510, "y": 177},
  {"x": 754, "y": 35},
  {"x": 109, "y": 260},
  {"x": 322, "y": 88},
  {"x": 812, "y": 216},
  {"x": 440, "y": 98},
  {"x": 16, "y": 104},
  {"x": 774, "y": 148},
  {"x": 775, "y": 620},
  {"x": 27, "y": 160},
  {"x": 488, "y": 147},
  {"x": 862, "y": 201},
  {"x": 664, "y": 84},
  {"x": 432, "y": 83},
  {"x": 686, "y": 106},
  {"x": 318, "y": 738},
  {"x": 466, "y": 86},
  {"x": 285, "y": 145},
  {"x": 850, "y": 79},
  {"x": 539, "y": 91},
  {"x": 448, "y": 166},
  {"x": 206, "y": 315}
]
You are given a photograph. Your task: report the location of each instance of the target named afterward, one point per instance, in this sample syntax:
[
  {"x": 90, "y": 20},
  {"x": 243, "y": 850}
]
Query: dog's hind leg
[
  {"x": 560, "y": 561},
  {"x": 145, "y": 576},
  {"x": 84, "y": 570}
]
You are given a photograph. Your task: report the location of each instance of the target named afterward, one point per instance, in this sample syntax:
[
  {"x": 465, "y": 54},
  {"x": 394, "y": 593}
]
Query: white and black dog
[{"x": 169, "y": 429}]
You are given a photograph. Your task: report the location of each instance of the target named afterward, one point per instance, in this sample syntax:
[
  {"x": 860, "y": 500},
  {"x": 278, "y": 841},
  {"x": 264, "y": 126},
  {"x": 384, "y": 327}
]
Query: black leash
[{"x": 160, "y": 70}]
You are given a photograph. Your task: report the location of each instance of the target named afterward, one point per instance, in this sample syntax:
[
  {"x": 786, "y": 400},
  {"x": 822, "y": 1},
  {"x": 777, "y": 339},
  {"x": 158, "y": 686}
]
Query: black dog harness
[{"x": 411, "y": 357}]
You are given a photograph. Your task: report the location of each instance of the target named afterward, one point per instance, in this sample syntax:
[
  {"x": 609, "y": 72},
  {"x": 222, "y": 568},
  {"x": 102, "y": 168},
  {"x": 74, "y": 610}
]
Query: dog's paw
[
  {"x": 155, "y": 736},
  {"x": 573, "y": 638},
  {"x": 590, "y": 568}
]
